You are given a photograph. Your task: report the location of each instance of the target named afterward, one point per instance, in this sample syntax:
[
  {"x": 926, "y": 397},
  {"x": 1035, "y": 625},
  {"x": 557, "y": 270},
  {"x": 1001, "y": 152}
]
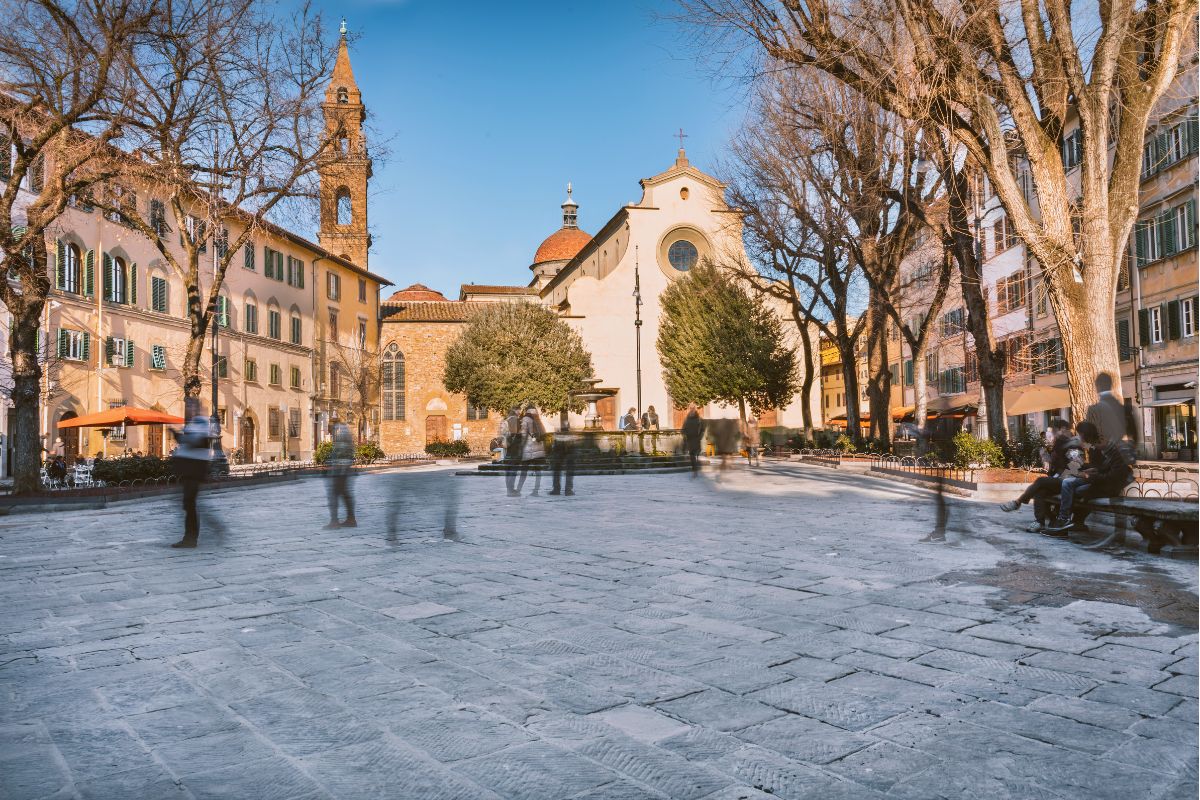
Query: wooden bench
[{"x": 1164, "y": 524}]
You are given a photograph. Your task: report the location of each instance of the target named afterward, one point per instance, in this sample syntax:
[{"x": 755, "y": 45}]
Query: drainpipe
[{"x": 1139, "y": 363}]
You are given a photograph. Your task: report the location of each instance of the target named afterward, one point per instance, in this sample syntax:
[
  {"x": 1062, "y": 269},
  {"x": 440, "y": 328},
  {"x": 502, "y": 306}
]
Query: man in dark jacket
[
  {"x": 1109, "y": 471},
  {"x": 693, "y": 434},
  {"x": 1066, "y": 460}
]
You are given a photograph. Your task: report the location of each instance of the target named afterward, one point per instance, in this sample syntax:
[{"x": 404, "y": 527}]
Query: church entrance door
[
  {"x": 436, "y": 429},
  {"x": 154, "y": 440},
  {"x": 246, "y": 437},
  {"x": 70, "y": 439}
]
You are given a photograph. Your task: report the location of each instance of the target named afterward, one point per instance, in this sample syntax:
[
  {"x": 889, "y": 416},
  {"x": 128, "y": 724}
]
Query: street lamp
[
  {"x": 637, "y": 326},
  {"x": 220, "y": 464}
]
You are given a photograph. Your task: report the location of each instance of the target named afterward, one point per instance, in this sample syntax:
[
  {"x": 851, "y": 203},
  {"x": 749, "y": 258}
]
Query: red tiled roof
[
  {"x": 478, "y": 288},
  {"x": 418, "y": 292},
  {"x": 562, "y": 245},
  {"x": 432, "y": 311}
]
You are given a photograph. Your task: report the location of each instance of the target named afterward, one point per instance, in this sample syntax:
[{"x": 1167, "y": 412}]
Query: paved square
[{"x": 776, "y": 634}]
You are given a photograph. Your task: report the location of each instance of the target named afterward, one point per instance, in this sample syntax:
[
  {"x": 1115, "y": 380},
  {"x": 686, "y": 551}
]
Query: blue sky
[{"x": 489, "y": 108}]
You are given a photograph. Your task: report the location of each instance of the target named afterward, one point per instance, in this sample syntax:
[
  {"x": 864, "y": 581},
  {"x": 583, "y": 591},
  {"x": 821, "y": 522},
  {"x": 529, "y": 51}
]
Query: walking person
[
  {"x": 513, "y": 446},
  {"x": 562, "y": 460},
  {"x": 1065, "y": 460},
  {"x": 693, "y": 435},
  {"x": 941, "y": 507},
  {"x": 341, "y": 463},
  {"x": 189, "y": 462},
  {"x": 533, "y": 453},
  {"x": 750, "y": 435}
]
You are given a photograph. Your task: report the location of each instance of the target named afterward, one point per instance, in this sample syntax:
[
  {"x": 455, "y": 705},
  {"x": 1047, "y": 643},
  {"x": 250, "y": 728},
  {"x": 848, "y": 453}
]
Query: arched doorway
[
  {"x": 70, "y": 439},
  {"x": 246, "y": 439},
  {"x": 436, "y": 429}
]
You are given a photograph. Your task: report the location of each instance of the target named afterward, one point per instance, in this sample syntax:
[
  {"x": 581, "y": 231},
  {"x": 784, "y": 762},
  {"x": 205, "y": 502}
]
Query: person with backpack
[
  {"x": 533, "y": 452},
  {"x": 513, "y": 446},
  {"x": 189, "y": 462},
  {"x": 1066, "y": 460},
  {"x": 1109, "y": 471}
]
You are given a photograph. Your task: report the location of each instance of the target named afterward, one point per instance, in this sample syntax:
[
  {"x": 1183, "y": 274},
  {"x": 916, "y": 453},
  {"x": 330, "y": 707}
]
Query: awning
[
  {"x": 124, "y": 415},
  {"x": 898, "y": 414},
  {"x": 1039, "y": 398}
]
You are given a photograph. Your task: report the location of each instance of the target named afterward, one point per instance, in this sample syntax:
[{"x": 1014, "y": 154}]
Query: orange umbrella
[{"x": 125, "y": 415}]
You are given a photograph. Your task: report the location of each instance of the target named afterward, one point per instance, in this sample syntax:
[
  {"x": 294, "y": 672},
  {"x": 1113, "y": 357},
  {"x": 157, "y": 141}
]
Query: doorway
[
  {"x": 606, "y": 409},
  {"x": 154, "y": 440},
  {"x": 246, "y": 439},
  {"x": 436, "y": 429},
  {"x": 70, "y": 439}
]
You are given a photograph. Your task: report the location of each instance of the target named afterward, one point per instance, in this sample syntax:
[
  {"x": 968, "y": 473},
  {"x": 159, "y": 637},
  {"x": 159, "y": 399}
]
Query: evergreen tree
[
  {"x": 719, "y": 343},
  {"x": 515, "y": 353}
]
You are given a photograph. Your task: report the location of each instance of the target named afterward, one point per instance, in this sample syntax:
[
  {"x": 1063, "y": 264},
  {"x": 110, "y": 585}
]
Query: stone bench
[{"x": 1168, "y": 526}]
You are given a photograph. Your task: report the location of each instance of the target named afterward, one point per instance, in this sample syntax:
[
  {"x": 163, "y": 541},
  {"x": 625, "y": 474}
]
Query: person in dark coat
[
  {"x": 1066, "y": 460},
  {"x": 190, "y": 462},
  {"x": 693, "y": 435},
  {"x": 1109, "y": 471},
  {"x": 514, "y": 446}
]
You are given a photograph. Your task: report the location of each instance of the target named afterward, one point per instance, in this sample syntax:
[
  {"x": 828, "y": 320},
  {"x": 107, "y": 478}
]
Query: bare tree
[
  {"x": 64, "y": 94},
  {"x": 227, "y": 128},
  {"x": 1027, "y": 89},
  {"x": 357, "y": 372}
]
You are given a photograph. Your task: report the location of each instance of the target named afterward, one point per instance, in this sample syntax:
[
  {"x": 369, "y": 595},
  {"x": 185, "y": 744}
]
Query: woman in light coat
[{"x": 533, "y": 451}]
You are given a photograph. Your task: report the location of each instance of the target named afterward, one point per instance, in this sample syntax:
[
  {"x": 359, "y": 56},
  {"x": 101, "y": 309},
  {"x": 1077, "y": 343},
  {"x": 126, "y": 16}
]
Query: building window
[
  {"x": 118, "y": 351},
  {"x": 295, "y": 378},
  {"x": 222, "y": 366},
  {"x": 1156, "y": 326},
  {"x": 274, "y": 423},
  {"x": 248, "y": 256},
  {"x": 1002, "y": 235},
  {"x": 683, "y": 255},
  {"x": 952, "y": 322},
  {"x": 68, "y": 273},
  {"x": 158, "y": 357},
  {"x": 251, "y": 318},
  {"x": 362, "y": 333},
  {"x": 221, "y": 242},
  {"x": 295, "y": 272},
  {"x": 1187, "y": 313},
  {"x": 197, "y": 232},
  {"x": 362, "y": 290},
  {"x": 392, "y": 383},
  {"x": 293, "y": 423},
  {"x": 73, "y": 345},
  {"x": 1072, "y": 149},
  {"x": 1010, "y": 293},
  {"x": 333, "y": 286},
  {"x": 343, "y": 96},
  {"x": 273, "y": 264},
  {"x": 116, "y": 279},
  {"x": 908, "y": 372},
  {"x": 274, "y": 323},
  {"x": 952, "y": 381},
  {"x": 476, "y": 412},
  {"x": 223, "y": 311},
  {"x": 276, "y": 375},
  {"x": 158, "y": 294},
  {"x": 1124, "y": 346},
  {"x": 1047, "y": 357},
  {"x": 333, "y": 324},
  {"x": 251, "y": 370},
  {"x": 335, "y": 382},
  {"x": 345, "y": 209},
  {"x": 296, "y": 330}
]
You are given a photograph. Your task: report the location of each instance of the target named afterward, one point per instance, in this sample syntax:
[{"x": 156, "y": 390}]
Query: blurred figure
[
  {"x": 942, "y": 509},
  {"x": 57, "y": 469},
  {"x": 190, "y": 464},
  {"x": 1108, "y": 412},
  {"x": 513, "y": 444},
  {"x": 562, "y": 459},
  {"x": 533, "y": 452},
  {"x": 341, "y": 462},
  {"x": 725, "y": 434},
  {"x": 693, "y": 436},
  {"x": 425, "y": 490},
  {"x": 750, "y": 436},
  {"x": 58, "y": 449},
  {"x": 1109, "y": 470},
  {"x": 650, "y": 419}
]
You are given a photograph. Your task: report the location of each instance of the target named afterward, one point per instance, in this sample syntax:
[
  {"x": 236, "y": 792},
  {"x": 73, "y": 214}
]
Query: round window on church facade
[{"x": 683, "y": 255}]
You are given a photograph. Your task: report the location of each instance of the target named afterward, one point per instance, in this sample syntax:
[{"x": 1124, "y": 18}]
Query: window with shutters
[
  {"x": 222, "y": 366},
  {"x": 275, "y": 375},
  {"x": 158, "y": 294},
  {"x": 70, "y": 277},
  {"x": 251, "y": 320},
  {"x": 1187, "y": 317},
  {"x": 1157, "y": 332},
  {"x": 952, "y": 381},
  {"x": 158, "y": 357},
  {"x": 296, "y": 330},
  {"x": 931, "y": 368},
  {"x": 333, "y": 324},
  {"x": 295, "y": 382},
  {"x": 118, "y": 351},
  {"x": 221, "y": 242},
  {"x": 116, "y": 279},
  {"x": 293, "y": 423},
  {"x": 1002, "y": 235},
  {"x": 1010, "y": 293},
  {"x": 335, "y": 382},
  {"x": 248, "y": 256},
  {"x": 908, "y": 372},
  {"x": 274, "y": 423},
  {"x": 392, "y": 383},
  {"x": 952, "y": 322},
  {"x": 274, "y": 324},
  {"x": 333, "y": 286},
  {"x": 1124, "y": 346},
  {"x": 251, "y": 370},
  {"x": 362, "y": 290},
  {"x": 73, "y": 345},
  {"x": 158, "y": 218},
  {"x": 295, "y": 272},
  {"x": 1072, "y": 149},
  {"x": 223, "y": 311},
  {"x": 972, "y": 367},
  {"x": 362, "y": 333}
]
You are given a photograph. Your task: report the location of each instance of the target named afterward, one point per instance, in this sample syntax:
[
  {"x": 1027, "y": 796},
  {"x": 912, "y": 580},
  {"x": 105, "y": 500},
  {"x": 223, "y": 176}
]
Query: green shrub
[
  {"x": 368, "y": 452},
  {"x": 128, "y": 468},
  {"x": 967, "y": 451},
  {"x": 456, "y": 449},
  {"x": 824, "y": 439},
  {"x": 323, "y": 451},
  {"x": 845, "y": 444},
  {"x": 1025, "y": 450}
]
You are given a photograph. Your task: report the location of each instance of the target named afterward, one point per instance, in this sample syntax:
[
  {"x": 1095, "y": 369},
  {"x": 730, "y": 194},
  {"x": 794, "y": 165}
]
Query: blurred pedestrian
[
  {"x": 629, "y": 421},
  {"x": 941, "y": 508},
  {"x": 725, "y": 434},
  {"x": 190, "y": 462},
  {"x": 562, "y": 460},
  {"x": 416, "y": 492},
  {"x": 513, "y": 447},
  {"x": 340, "y": 468},
  {"x": 750, "y": 437},
  {"x": 693, "y": 436},
  {"x": 1108, "y": 412},
  {"x": 533, "y": 453},
  {"x": 59, "y": 449}
]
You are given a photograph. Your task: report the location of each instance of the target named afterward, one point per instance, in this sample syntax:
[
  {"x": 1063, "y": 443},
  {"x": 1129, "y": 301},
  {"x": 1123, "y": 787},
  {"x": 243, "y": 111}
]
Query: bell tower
[{"x": 347, "y": 167}]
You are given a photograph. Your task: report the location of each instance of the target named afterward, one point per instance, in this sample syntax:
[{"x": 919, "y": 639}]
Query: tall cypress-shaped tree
[{"x": 719, "y": 343}]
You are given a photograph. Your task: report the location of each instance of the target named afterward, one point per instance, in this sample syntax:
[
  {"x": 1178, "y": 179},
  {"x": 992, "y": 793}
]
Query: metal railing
[
  {"x": 923, "y": 465},
  {"x": 1164, "y": 483}
]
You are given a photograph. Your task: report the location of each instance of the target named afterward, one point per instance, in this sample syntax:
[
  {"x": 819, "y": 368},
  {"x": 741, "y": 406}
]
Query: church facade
[{"x": 589, "y": 280}]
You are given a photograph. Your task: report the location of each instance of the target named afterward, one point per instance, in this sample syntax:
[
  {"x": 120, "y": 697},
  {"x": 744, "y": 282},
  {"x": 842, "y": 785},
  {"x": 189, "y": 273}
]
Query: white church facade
[{"x": 589, "y": 280}]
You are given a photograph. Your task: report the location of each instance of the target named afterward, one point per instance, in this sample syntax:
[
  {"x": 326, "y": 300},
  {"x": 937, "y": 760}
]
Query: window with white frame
[
  {"x": 333, "y": 285},
  {"x": 73, "y": 345},
  {"x": 69, "y": 273},
  {"x": 251, "y": 320},
  {"x": 1187, "y": 316},
  {"x": 296, "y": 329},
  {"x": 158, "y": 357},
  {"x": 118, "y": 351},
  {"x": 1156, "y": 325},
  {"x": 274, "y": 324}
]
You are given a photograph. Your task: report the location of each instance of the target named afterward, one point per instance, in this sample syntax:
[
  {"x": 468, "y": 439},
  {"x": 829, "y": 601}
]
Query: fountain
[{"x": 590, "y": 395}]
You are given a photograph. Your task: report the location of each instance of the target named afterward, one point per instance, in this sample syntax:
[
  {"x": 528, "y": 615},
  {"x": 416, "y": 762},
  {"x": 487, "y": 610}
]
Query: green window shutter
[
  {"x": 129, "y": 352},
  {"x": 60, "y": 266},
  {"x": 1188, "y": 233},
  {"x": 266, "y": 261},
  {"x": 85, "y": 351},
  {"x": 1174, "y": 330},
  {"x": 1162, "y": 150},
  {"x": 299, "y": 274},
  {"x": 133, "y": 282},
  {"x": 89, "y": 270},
  {"x": 1167, "y": 240},
  {"x": 1144, "y": 327},
  {"x": 1124, "y": 349},
  {"x": 908, "y": 372},
  {"x": 1192, "y": 134},
  {"x": 248, "y": 257},
  {"x": 63, "y": 343},
  {"x": 106, "y": 282},
  {"x": 109, "y": 347}
]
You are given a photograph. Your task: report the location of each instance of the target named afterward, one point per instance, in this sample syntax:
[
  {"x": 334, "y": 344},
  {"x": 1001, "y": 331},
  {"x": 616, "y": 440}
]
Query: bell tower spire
[{"x": 347, "y": 169}]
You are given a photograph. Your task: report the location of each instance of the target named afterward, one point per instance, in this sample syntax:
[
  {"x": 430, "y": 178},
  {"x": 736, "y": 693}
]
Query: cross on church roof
[
  {"x": 681, "y": 136},
  {"x": 343, "y": 26}
]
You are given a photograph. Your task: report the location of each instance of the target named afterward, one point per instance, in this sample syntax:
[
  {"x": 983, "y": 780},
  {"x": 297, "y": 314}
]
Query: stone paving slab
[{"x": 777, "y": 634}]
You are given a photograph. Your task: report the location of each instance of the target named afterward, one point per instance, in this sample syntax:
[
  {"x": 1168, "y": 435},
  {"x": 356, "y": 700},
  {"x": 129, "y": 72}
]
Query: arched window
[
  {"x": 392, "y": 380},
  {"x": 345, "y": 210},
  {"x": 342, "y": 95},
  {"x": 118, "y": 280},
  {"x": 69, "y": 278}
]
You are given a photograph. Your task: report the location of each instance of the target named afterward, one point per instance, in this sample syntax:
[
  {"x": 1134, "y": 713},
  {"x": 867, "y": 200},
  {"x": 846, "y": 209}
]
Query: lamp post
[
  {"x": 220, "y": 464},
  {"x": 637, "y": 326}
]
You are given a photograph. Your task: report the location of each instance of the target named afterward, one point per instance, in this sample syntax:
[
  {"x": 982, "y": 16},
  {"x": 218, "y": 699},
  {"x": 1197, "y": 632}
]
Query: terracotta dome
[
  {"x": 418, "y": 292},
  {"x": 562, "y": 245}
]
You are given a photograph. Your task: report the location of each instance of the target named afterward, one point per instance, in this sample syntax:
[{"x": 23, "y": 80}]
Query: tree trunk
[
  {"x": 809, "y": 379},
  {"x": 879, "y": 378},
  {"x": 741, "y": 410},
  {"x": 1086, "y": 321},
  {"x": 26, "y": 397},
  {"x": 850, "y": 378},
  {"x": 920, "y": 386}
]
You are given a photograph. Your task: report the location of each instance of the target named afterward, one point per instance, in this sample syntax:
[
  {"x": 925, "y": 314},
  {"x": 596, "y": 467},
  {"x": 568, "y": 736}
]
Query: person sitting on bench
[
  {"x": 1066, "y": 460},
  {"x": 1109, "y": 471}
]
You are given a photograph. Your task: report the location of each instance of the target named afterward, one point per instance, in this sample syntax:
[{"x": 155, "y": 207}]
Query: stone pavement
[{"x": 777, "y": 634}]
